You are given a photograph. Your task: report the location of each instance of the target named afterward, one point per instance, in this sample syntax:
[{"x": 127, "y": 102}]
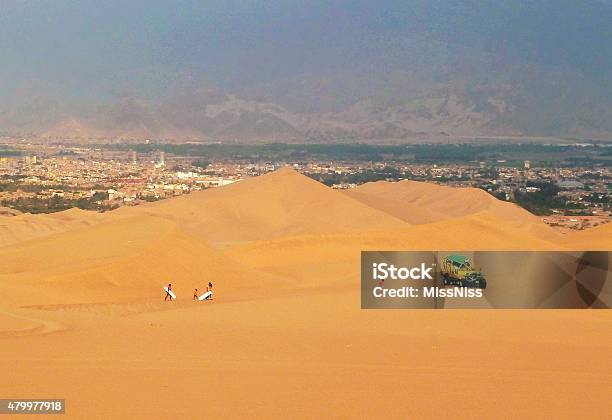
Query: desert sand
[
  {"x": 421, "y": 202},
  {"x": 595, "y": 238},
  {"x": 82, "y": 315}
]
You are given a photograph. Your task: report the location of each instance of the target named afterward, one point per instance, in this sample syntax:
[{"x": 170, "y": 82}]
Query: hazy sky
[{"x": 85, "y": 47}]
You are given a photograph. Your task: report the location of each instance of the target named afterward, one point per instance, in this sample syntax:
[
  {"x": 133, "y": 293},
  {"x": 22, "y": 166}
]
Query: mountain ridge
[{"x": 318, "y": 72}]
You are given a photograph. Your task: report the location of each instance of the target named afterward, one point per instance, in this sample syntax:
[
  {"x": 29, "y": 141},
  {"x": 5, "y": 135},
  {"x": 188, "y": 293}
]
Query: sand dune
[
  {"x": 24, "y": 227},
  {"x": 338, "y": 255},
  {"x": 272, "y": 226},
  {"x": 82, "y": 315},
  {"x": 423, "y": 202},
  {"x": 270, "y": 206},
  {"x": 118, "y": 260}
]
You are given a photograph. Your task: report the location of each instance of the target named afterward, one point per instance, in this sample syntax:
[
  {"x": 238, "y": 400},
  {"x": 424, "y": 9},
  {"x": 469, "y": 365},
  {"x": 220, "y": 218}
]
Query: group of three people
[{"x": 195, "y": 292}]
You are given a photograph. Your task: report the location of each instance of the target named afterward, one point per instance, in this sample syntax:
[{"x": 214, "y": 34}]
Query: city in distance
[{"x": 568, "y": 185}]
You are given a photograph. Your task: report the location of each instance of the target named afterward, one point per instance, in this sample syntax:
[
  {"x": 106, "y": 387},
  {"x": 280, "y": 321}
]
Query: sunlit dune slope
[
  {"x": 423, "y": 202},
  {"x": 29, "y": 226},
  {"x": 278, "y": 225},
  {"x": 129, "y": 258},
  {"x": 270, "y": 206},
  {"x": 337, "y": 255}
]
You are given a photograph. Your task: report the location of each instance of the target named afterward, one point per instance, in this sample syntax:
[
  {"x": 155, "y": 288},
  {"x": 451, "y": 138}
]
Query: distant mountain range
[
  {"x": 231, "y": 118},
  {"x": 441, "y": 113},
  {"x": 347, "y": 71}
]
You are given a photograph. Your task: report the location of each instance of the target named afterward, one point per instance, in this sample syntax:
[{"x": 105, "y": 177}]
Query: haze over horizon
[{"x": 296, "y": 71}]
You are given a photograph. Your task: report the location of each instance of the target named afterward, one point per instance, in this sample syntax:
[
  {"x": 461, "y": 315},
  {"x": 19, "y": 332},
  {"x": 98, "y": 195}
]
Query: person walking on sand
[
  {"x": 168, "y": 295},
  {"x": 195, "y": 294},
  {"x": 209, "y": 289}
]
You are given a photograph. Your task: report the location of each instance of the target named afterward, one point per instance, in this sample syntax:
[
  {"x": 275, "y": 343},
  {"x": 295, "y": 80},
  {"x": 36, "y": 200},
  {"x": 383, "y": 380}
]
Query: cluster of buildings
[
  {"x": 100, "y": 183},
  {"x": 104, "y": 179}
]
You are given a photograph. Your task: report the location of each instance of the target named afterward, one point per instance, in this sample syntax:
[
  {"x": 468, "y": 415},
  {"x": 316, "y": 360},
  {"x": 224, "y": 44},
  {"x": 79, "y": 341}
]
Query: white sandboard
[
  {"x": 205, "y": 295},
  {"x": 170, "y": 292}
]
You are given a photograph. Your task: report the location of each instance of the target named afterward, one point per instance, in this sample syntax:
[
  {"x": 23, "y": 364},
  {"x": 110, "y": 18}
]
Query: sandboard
[
  {"x": 206, "y": 295},
  {"x": 170, "y": 292}
]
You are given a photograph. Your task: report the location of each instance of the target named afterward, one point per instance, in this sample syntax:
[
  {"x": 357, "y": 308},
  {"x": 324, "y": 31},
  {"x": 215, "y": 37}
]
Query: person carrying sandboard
[{"x": 168, "y": 292}]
